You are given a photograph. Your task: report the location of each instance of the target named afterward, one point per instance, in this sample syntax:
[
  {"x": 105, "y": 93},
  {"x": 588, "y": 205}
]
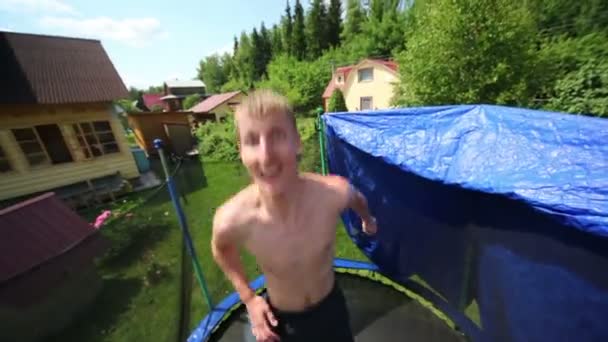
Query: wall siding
[
  {"x": 24, "y": 180},
  {"x": 381, "y": 88}
]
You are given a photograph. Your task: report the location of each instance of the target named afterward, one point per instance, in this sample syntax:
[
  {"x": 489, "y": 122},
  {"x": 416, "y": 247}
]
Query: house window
[
  {"x": 43, "y": 144},
  {"x": 5, "y": 166},
  {"x": 366, "y": 102},
  {"x": 366, "y": 75},
  {"x": 95, "y": 138},
  {"x": 339, "y": 79}
]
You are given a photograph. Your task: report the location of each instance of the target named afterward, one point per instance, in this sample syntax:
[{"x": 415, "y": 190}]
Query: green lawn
[{"x": 129, "y": 308}]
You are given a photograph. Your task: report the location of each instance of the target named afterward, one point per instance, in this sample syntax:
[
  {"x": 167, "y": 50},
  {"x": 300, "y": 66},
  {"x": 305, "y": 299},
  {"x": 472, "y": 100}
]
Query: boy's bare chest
[{"x": 304, "y": 243}]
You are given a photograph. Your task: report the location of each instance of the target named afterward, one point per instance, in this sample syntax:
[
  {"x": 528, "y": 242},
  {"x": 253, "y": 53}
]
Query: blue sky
[{"x": 148, "y": 41}]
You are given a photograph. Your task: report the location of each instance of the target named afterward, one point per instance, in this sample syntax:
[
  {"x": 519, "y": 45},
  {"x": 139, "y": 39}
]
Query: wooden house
[{"x": 58, "y": 127}]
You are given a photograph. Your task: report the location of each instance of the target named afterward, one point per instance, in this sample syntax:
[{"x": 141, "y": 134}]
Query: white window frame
[
  {"x": 362, "y": 71},
  {"x": 85, "y": 146}
]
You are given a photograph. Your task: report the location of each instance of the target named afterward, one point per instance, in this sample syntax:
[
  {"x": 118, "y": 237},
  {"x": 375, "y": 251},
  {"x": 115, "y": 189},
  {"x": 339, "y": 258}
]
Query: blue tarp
[{"x": 502, "y": 211}]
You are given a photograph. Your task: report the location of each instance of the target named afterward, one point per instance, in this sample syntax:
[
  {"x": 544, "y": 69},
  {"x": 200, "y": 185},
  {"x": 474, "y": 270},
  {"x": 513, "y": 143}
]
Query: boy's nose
[{"x": 266, "y": 150}]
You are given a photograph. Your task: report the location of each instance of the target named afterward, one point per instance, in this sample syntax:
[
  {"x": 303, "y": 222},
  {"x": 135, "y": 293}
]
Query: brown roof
[
  {"x": 213, "y": 101},
  {"x": 52, "y": 70},
  {"x": 37, "y": 230}
]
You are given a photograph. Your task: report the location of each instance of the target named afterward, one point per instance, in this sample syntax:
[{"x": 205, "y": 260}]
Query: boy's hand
[
  {"x": 370, "y": 226},
  {"x": 261, "y": 320}
]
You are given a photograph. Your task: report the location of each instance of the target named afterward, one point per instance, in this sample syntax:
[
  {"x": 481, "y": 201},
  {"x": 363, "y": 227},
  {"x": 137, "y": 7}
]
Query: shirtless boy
[{"x": 287, "y": 220}]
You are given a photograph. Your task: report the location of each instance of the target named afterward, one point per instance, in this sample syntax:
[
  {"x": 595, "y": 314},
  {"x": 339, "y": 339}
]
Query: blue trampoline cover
[
  {"x": 503, "y": 212},
  {"x": 557, "y": 163}
]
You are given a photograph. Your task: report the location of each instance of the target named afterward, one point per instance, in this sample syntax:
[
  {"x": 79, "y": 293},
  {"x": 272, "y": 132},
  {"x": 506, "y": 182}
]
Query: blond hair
[{"x": 263, "y": 103}]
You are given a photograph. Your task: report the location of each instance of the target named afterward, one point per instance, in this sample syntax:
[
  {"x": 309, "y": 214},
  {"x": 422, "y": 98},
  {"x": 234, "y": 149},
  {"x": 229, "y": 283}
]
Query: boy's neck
[{"x": 282, "y": 205}]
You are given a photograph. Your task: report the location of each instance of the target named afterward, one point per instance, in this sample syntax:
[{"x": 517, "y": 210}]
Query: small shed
[
  {"x": 172, "y": 127},
  {"x": 47, "y": 269}
]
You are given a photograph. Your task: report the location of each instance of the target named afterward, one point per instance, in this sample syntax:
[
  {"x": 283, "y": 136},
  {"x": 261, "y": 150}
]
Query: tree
[
  {"x": 288, "y": 30},
  {"x": 337, "y": 102},
  {"x": 235, "y": 47},
  {"x": 276, "y": 40},
  {"x": 576, "y": 70},
  {"x": 257, "y": 55},
  {"x": 316, "y": 37},
  {"x": 334, "y": 23},
  {"x": 212, "y": 73},
  {"x": 469, "y": 51},
  {"x": 354, "y": 20},
  {"x": 298, "y": 47},
  {"x": 302, "y": 82},
  {"x": 243, "y": 62},
  {"x": 266, "y": 39},
  {"x": 191, "y": 100}
]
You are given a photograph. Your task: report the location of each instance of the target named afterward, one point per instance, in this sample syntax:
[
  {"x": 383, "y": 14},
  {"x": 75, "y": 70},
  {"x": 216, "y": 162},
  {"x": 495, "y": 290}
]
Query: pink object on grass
[{"x": 102, "y": 218}]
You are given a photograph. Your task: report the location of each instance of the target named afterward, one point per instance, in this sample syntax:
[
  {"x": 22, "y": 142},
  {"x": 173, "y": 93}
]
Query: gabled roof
[
  {"x": 185, "y": 84},
  {"x": 38, "y": 69},
  {"x": 37, "y": 230},
  {"x": 345, "y": 71},
  {"x": 151, "y": 100},
  {"x": 213, "y": 101}
]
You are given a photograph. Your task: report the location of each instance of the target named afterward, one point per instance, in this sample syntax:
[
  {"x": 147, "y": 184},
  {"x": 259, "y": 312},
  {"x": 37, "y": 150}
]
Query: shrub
[{"x": 337, "y": 102}]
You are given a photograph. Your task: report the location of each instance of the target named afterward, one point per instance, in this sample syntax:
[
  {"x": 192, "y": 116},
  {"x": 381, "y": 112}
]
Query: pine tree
[
  {"x": 315, "y": 29},
  {"x": 266, "y": 45},
  {"x": 288, "y": 30},
  {"x": 334, "y": 23},
  {"x": 298, "y": 47},
  {"x": 276, "y": 40},
  {"x": 376, "y": 9},
  {"x": 243, "y": 61},
  {"x": 354, "y": 20},
  {"x": 235, "y": 47},
  {"x": 257, "y": 54}
]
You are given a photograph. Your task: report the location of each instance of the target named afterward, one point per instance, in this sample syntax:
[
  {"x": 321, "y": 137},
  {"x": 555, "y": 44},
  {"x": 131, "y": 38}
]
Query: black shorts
[{"x": 326, "y": 321}]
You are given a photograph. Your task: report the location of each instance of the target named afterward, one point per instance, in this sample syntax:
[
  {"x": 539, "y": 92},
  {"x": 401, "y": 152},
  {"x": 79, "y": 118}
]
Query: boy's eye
[
  {"x": 251, "y": 139},
  {"x": 276, "y": 134}
]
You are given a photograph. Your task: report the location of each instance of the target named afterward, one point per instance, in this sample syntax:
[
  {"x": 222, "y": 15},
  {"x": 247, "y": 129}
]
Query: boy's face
[{"x": 269, "y": 148}]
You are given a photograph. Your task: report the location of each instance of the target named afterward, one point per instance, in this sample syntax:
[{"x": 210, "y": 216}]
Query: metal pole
[
  {"x": 321, "y": 143},
  {"x": 158, "y": 144}
]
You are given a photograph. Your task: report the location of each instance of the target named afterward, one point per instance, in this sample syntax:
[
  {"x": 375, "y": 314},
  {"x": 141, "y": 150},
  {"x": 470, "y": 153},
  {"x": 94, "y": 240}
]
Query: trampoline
[
  {"x": 493, "y": 226},
  {"x": 379, "y": 311}
]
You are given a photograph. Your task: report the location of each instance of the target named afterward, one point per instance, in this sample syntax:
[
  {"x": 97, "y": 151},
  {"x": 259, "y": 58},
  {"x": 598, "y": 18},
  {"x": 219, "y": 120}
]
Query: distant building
[
  {"x": 174, "y": 92},
  {"x": 366, "y": 85},
  {"x": 59, "y": 130},
  {"x": 217, "y": 107}
]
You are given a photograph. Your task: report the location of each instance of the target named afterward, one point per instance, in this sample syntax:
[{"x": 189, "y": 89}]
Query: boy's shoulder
[
  {"x": 233, "y": 212},
  {"x": 336, "y": 186},
  {"x": 331, "y": 182}
]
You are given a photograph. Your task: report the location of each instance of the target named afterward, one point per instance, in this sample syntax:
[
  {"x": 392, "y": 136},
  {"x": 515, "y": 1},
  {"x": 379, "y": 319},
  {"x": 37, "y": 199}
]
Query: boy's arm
[
  {"x": 352, "y": 198},
  {"x": 358, "y": 202},
  {"x": 224, "y": 246}
]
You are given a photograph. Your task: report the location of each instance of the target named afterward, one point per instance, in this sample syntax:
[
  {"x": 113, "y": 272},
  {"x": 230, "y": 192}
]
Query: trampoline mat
[{"x": 377, "y": 313}]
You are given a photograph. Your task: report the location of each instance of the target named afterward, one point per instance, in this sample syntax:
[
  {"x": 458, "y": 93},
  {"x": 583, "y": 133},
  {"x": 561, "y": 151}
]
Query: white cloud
[
  {"x": 43, "y": 6},
  {"x": 6, "y": 29},
  {"x": 135, "y": 32}
]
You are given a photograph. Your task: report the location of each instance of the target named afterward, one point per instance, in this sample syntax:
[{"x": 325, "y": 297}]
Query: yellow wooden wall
[
  {"x": 381, "y": 88},
  {"x": 150, "y": 126},
  {"x": 24, "y": 180}
]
